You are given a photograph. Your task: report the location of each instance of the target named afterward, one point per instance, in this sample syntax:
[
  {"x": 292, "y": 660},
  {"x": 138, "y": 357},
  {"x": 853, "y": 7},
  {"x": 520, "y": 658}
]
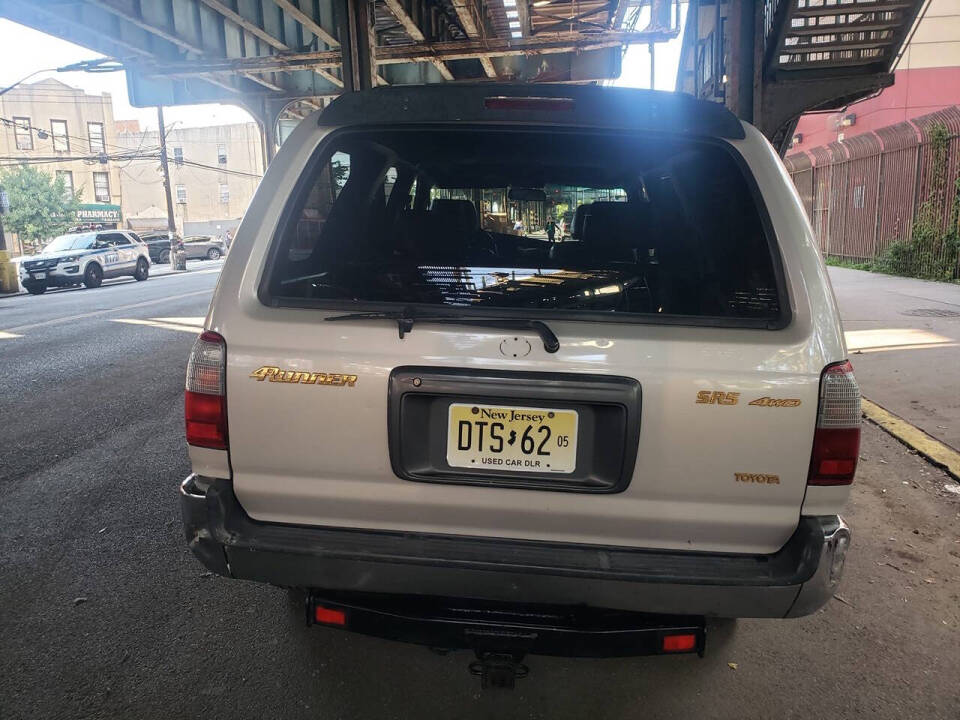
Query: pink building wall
[{"x": 915, "y": 92}]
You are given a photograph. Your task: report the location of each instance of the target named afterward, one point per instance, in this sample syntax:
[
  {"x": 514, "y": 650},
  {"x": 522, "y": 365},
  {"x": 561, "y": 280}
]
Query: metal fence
[{"x": 863, "y": 194}]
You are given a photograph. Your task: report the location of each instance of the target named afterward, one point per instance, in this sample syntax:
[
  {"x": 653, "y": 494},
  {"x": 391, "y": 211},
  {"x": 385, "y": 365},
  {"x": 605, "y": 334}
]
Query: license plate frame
[
  {"x": 512, "y": 438},
  {"x": 608, "y": 432}
]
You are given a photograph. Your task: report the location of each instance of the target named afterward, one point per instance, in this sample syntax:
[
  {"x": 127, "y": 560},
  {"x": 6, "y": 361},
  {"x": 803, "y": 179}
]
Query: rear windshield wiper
[{"x": 406, "y": 318}]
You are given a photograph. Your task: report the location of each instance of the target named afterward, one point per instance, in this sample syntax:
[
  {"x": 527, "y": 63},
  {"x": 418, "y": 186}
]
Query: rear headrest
[
  {"x": 616, "y": 228},
  {"x": 579, "y": 216},
  {"x": 463, "y": 213}
]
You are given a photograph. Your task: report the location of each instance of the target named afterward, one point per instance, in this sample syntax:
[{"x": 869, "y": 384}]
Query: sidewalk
[
  {"x": 904, "y": 341},
  {"x": 158, "y": 270}
]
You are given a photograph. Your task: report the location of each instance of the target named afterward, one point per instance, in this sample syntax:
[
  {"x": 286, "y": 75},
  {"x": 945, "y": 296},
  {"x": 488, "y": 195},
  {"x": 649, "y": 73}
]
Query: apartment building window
[
  {"x": 95, "y": 136},
  {"x": 67, "y": 183},
  {"x": 178, "y": 156},
  {"x": 222, "y": 154},
  {"x": 58, "y": 129},
  {"x": 224, "y": 193},
  {"x": 101, "y": 187},
  {"x": 181, "y": 194},
  {"x": 23, "y": 133}
]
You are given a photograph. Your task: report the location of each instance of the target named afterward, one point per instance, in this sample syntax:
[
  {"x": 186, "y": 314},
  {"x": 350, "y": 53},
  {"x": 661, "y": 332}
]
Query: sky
[{"x": 24, "y": 50}]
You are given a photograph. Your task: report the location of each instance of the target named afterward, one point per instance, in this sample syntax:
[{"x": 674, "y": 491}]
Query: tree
[{"x": 39, "y": 206}]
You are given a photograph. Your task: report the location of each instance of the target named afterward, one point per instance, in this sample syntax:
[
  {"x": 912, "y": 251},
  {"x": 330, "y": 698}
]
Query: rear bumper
[
  {"x": 794, "y": 581},
  {"x": 56, "y": 277}
]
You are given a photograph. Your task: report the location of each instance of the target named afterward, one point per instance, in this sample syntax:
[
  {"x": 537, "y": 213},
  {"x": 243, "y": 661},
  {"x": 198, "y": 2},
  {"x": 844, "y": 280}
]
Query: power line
[{"x": 203, "y": 166}]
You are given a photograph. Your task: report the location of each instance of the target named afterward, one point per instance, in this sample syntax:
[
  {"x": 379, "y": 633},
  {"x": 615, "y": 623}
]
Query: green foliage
[
  {"x": 39, "y": 208},
  {"x": 848, "y": 263},
  {"x": 932, "y": 251}
]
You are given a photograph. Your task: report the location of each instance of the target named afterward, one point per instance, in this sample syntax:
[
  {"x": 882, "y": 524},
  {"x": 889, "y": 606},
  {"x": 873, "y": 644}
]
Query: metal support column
[
  {"x": 741, "y": 21},
  {"x": 359, "y": 67}
]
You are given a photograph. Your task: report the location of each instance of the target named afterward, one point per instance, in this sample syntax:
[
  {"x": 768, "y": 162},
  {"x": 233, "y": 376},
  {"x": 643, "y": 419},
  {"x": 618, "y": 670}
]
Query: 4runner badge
[{"x": 307, "y": 378}]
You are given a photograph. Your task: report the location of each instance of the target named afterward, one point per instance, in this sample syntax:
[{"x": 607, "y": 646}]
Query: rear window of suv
[{"x": 527, "y": 221}]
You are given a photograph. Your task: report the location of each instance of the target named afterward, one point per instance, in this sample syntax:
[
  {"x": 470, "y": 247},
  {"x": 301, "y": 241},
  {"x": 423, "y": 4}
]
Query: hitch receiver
[{"x": 499, "y": 670}]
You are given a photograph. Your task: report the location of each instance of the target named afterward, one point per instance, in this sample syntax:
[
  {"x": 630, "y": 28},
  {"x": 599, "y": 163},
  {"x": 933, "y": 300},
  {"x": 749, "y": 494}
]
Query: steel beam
[
  {"x": 259, "y": 32},
  {"x": 472, "y": 26},
  {"x": 506, "y": 47},
  {"x": 359, "y": 69},
  {"x": 422, "y": 52},
  {"x": 523, "y": 11},
  {"x": 129, "y": 12},
  {"x": 308, "y": 22},
  {"x": 251, "y": 27},
  {"x": 410, "y": 27}
]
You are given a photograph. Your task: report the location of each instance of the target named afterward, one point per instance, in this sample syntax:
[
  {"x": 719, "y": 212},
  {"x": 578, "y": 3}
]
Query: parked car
[
  {"x": 204, "y": 247},
  {"x": 584, "y": 448},
  {"x": 158, "y": 242},
  {"x": 87, "y": 258}
]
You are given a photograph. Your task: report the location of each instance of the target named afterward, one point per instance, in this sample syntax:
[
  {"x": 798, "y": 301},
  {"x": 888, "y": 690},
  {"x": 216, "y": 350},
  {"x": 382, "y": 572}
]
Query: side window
[
  {"x": 329, "y": 181},
  {"x": 413, "y": 193},
  {"x": 112, "y": 239},
  {"x": 388, "y": 182}
]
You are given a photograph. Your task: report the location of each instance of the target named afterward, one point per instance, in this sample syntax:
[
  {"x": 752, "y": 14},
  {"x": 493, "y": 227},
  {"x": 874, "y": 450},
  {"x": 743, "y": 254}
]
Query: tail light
[
  {"x": 836, "y": 443},
  {"x": 205, "y": 401}
]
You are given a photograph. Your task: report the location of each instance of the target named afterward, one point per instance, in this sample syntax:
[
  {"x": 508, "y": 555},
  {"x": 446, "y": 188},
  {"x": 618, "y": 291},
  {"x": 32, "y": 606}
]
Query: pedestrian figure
[{"x": 551, "y": 230}]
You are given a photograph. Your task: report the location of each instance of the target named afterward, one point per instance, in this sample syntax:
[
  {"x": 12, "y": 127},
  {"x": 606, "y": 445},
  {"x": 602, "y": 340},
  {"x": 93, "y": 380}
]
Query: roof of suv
[{"x": 586, "y": 106}]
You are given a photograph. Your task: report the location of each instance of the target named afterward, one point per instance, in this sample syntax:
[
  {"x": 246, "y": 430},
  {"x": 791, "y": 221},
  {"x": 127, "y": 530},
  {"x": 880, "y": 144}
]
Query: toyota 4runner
[{"x": 441, "y": 423}]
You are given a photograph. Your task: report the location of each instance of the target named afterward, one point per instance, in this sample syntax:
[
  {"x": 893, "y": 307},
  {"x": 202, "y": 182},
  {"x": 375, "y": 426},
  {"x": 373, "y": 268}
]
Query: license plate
[
  {"x": 38, "y": 276},
  {"x": 524, "y": 439}
]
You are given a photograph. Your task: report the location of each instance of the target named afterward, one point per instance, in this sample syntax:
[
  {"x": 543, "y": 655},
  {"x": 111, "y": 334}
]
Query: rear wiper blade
[{"x": 406, "y": 318}]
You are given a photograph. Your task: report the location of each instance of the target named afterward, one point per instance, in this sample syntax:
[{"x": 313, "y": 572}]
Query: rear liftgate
[{"x": 502, "y": 634}]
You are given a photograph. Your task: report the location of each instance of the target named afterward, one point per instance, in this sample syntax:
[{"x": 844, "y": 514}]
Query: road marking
[
  {"x": 196, "y": 322},
  {"x": 145, "y": 303},
  {"x": 895, "y": 339},
  {"x": 8, "y": 336},
  {"x": 913, "y": 437},
  {"x": 158, "y": 323}
]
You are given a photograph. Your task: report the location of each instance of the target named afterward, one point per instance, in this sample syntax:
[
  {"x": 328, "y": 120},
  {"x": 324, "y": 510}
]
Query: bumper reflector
[
  {"x": 679, "y": 643},
  {"x": 328, "y": 616}
]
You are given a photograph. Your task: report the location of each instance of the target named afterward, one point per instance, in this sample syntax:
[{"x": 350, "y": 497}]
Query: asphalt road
[
  {"x": 105, "y": 614},
  {"x": 904, "y": 338}
]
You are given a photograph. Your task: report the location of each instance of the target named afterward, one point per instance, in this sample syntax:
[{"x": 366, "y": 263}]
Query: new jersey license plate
[{"x": 493, "y": 437}]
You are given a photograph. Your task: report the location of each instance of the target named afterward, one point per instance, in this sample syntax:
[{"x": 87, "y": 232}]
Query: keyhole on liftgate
[{"x": 514, "y": 347}]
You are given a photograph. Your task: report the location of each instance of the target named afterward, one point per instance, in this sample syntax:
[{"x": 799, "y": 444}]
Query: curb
[{"x": 935, "y": 451}]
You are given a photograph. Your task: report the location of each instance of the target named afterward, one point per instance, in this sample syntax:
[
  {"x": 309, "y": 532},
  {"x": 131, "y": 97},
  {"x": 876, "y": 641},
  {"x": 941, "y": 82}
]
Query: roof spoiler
[{"x": 590, "y": 106}]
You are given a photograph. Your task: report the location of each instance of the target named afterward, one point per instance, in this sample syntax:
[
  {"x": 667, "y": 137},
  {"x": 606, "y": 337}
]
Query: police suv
[
  {"x": 437, "y": 430},
  {"x": 87, "y": 258}
]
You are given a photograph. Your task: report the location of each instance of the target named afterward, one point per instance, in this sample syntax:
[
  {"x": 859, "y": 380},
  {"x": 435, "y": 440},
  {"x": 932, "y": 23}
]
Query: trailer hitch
[{"x": 499, "y": 670}]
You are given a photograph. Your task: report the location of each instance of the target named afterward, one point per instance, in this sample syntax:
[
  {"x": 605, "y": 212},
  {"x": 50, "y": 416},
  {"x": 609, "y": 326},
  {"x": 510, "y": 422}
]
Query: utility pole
[
  {"x": 8, "y": 274},
  {"x": 177, "y": 256}
]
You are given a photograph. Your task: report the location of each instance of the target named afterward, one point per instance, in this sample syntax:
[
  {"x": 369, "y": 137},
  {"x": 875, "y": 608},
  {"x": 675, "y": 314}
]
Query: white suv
[
  {"x": 414, "y": 407},
  {"x": 86, "y": 257}
]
